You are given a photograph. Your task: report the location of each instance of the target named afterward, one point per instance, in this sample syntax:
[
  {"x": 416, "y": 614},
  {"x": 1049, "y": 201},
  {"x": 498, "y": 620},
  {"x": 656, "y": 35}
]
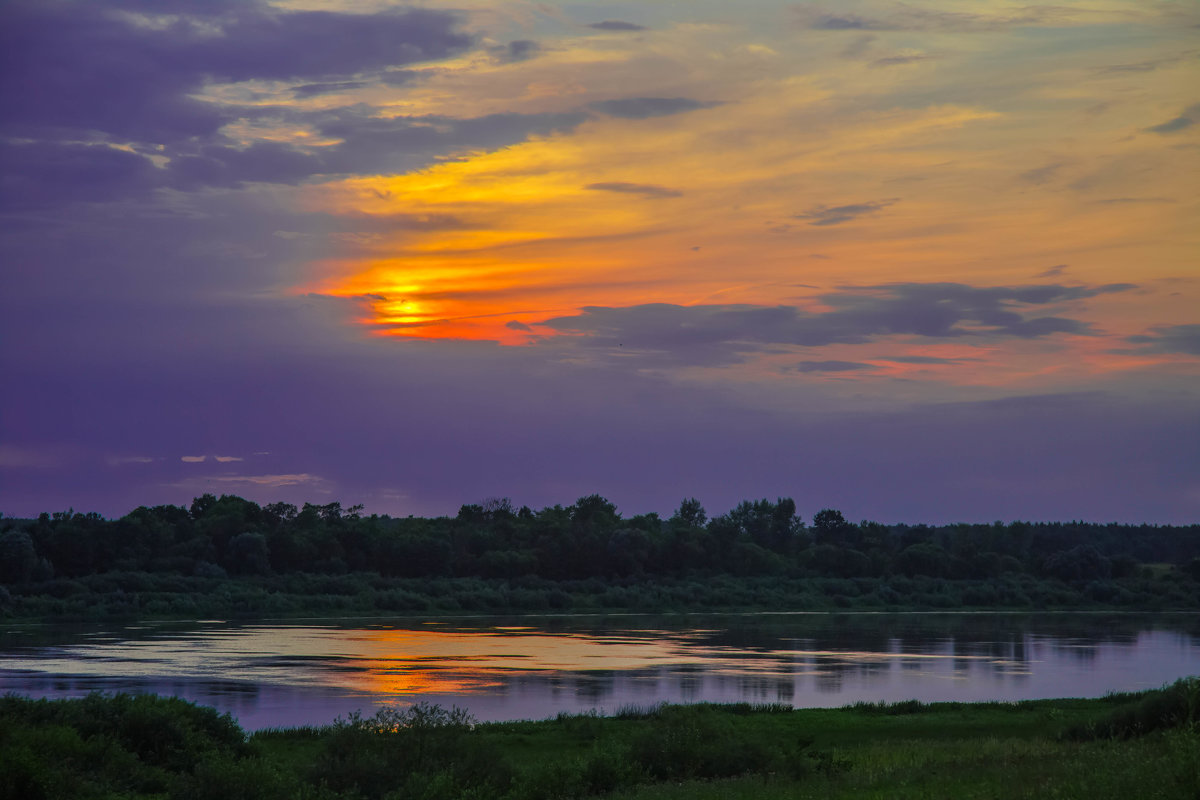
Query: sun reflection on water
[{"x": 507, "y": 671}]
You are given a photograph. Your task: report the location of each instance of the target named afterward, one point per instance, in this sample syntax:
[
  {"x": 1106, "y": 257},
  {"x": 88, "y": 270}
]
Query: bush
[
  {"x": 1174, "y": 706},
  {"x": 701, "y": 741},
  {"x": 420, "y": 746}
]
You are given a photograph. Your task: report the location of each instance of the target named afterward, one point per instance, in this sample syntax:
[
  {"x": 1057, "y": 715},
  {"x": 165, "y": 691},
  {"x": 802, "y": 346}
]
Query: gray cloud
[
  {"x": 1053, "y": 272},
  {"x": 1132, "y": 200},
  {"x": 844, "y": 22},
  {"x": 1142, "y": 66},
  {"x": 895, "y": 61},
  {"x": 831, "y": 366},
  {"x": 315, "y": 89},
  {"x": 859, "y": 47},
  {"x": 616, "y": 25},
  {"x": 910, "y": 18},
  {"x": 1183, "y": 339},
  {"x": 268, "y": 44},
  {"x": 82, "y": 67},
  {"x": 647, "y": 107},
  {"x": 1041, "y": 175},
  {"x": 922, "y": 360},
  {"x": 374, "y": 144},
  {"x": 724, "y": 334},
  {"x": 44, "y": 174},
  {"x": 517, "y": 50},
  {"x": 398, "y": 77},
  {"x": 643, "y": 189},
  {"x": 835, "y": 215},
  {"x": 78, "y": 75},
  {"x": 229, "y": 167},
  {"x": 1186, "y": 119}
]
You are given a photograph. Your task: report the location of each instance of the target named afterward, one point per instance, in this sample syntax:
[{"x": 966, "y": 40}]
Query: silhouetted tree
[
  {"x": 830, "y": 527},
  {"x": 690, "y": 513},
  {"x": 18, "y": 558}
]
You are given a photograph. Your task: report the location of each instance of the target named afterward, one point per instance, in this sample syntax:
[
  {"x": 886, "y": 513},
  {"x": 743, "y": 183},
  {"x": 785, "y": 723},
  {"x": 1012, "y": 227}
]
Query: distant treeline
[{"x": 588, "y": 548}]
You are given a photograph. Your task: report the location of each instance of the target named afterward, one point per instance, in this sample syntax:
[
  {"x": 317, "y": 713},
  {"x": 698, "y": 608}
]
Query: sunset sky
[{"x": 919, "y": 261}]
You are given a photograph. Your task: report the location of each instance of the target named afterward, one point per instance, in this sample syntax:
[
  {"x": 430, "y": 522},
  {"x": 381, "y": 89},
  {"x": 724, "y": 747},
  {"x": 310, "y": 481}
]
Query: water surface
[{"x": 274, "y": 674}]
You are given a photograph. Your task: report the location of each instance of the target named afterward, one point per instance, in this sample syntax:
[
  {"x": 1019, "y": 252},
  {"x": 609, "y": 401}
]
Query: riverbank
[
  {"x": 1132, "y": 745},
  {"x": 126, "y": 596}
]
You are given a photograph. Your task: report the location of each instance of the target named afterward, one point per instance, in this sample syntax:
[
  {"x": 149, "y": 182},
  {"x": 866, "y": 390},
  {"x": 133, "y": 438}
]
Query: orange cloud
[{"x": 777, "y": 157}]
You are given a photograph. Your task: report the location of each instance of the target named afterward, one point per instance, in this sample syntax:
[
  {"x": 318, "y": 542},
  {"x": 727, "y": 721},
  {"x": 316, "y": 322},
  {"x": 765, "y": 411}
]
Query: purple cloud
[
  {"x": 836, "y": 215},
  {"x": 647, "y": 107},
  {"x": 719, "y": 334},
  {"x": 615, "y": 25},
  {"x": 831, "y": 366},
  {"x": 643, "y": 189},
  {"x": 83, "y": 67},
  {"x": 912, "y": 18},
  {"x": 1189, "y": 117},
  {"x": 1184, "y": 339}
]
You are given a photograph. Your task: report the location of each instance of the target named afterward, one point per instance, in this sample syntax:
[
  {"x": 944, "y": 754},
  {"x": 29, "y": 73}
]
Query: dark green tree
[
  {"x": 18, "y": 557},
  {"x": 690, "y": 514}
]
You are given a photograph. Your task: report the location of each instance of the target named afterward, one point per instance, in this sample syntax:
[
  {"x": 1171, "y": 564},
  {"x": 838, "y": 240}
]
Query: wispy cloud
[
  {"x": 1041, "y": 175},
  {"x": 831, "y": 366},
  {"x": 236, "y": 483},
  {"x": 1186, "y": 119},
  {"x": 914, "y": 18},
  {"x": 901, "y": 59},
  {"x": 836, "y": 215},
  {"x": 643, "y": 189},
  {"x": 517, "y": 50},
  {"x": 1148, "y": 65},
  {"x": 725, "y": 334},
  {"x": 119, "y": 461},
  {"x": 922, "y": 360},
  {"x": 615, "y": 25},
  {"x": 316, "y": 89},
  {"x": 647, "y": 107},
  {"x": 21, "y": 457},
  {"x": 1125, "y": 201},
  {"x": 1182, "y": 339}
]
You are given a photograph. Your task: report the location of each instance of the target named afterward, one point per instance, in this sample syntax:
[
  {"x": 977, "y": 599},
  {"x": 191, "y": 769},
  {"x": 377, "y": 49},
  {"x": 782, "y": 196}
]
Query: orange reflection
[
  {"x": 410, "y": 662},
  {"x": 423, "y": 661}
]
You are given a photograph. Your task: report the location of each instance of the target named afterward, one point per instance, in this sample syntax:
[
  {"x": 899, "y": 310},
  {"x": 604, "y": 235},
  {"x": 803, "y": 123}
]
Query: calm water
[{"x": 295, "y": 673}]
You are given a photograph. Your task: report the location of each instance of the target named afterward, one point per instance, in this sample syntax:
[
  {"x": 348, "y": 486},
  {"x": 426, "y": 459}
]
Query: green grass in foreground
[{"x": 1145, "y": 745}]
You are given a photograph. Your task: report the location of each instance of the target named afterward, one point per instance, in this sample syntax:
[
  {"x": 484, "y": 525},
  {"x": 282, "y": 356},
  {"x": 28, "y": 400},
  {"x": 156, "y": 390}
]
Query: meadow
[{"x": 1143, "y": 745}]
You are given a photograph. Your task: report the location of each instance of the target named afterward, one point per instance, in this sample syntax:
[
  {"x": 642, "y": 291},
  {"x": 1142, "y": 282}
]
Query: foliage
[
  {"x": 1174, "y": 706},
  {"x": 106, "y": 747},
  {"x": 227, "y": 556}
]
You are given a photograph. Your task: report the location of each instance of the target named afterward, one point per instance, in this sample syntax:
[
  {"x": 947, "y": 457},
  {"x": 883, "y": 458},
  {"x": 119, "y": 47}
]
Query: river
[{"x": 302, "y": 672}]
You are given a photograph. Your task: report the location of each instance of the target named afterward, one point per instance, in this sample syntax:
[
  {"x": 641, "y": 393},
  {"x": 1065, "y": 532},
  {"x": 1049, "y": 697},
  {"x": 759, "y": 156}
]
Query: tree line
[{"x": 229, "y": 536}]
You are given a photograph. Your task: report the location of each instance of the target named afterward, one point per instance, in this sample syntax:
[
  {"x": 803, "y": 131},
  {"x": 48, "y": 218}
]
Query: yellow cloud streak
[
  {"x": 718, "y": 203},
  {"x": 533, "y": 221}
]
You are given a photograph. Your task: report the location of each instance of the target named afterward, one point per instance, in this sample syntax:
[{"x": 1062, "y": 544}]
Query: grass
[{"x": 1144, "y": 745}]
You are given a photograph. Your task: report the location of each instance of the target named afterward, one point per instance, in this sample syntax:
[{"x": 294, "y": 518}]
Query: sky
[{"x": 917, "y": 261}]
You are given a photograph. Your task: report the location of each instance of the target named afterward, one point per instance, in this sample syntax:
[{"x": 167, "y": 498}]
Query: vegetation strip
[
  {"x": 231, "y": 558},
  {"x": 1130, "y": 745}
]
